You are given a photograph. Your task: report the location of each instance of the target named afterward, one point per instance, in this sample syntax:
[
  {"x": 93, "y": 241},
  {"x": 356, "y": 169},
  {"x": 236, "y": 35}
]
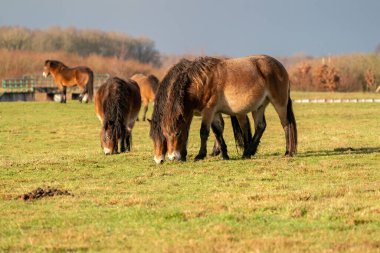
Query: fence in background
[
  {"x": 39, "y": 83},
  {"x": 354, "y": 100}
]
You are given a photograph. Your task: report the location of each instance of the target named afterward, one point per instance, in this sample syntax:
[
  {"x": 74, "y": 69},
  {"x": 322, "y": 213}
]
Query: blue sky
[{"x": 233, "y": 28}]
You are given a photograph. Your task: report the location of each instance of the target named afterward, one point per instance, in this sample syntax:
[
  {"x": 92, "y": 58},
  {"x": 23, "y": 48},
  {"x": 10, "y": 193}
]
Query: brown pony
[
  {"x": 217, "y": 126},
  {"x": 148, "y": 88},
  {"x": 117, "y": 104},
  {"x": 67, "y": 77},
  {"x": 212, "y": 86}
]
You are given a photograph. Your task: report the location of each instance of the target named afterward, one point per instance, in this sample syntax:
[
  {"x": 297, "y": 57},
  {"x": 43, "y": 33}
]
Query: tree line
[
  {"x": 82, "y": 42},
  {"x": 356, "y": 72}
]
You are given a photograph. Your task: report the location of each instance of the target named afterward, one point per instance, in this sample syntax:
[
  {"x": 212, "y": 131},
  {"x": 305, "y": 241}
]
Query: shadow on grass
[
  {"x": 311, "y": 153},
  {"x": 340, "y": 151}
]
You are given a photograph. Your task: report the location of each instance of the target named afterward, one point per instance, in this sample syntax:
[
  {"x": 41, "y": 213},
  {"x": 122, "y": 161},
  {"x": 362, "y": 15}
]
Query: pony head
[
  {"x": 108, "y": 141},
  {"x": 46, "y": 71}
]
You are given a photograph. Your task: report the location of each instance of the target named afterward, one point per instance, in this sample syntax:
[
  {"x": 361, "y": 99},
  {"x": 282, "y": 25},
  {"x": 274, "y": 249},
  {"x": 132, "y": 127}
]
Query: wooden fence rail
[{"x": 32, "y": 83}]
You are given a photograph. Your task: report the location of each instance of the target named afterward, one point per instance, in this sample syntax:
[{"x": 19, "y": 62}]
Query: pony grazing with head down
[
  {"x": 148, "y": 88},
  {"x": 164, "y": 98},
  {"x": 68, "y": 77},
  {"x": 117, "y": 104},
  {"x": 212, "y": 86}
]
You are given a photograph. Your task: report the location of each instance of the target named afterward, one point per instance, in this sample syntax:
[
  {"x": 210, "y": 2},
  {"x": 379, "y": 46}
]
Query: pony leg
[
  {"x": 128, "y": 141},
  {"x": 245, "y": 128},
  {"x": 122, "y": 140},
  {"x": 81, "y": 96},
  {"x": 145, "y": 110},
  {"x": 216, "y": 150},
  {"x": 260, "y": 125},
  {"x": 217, "y": 127},
  {"x": 63, "y": 98},
  {"x": 288, "y": 122},
  {"x": 128, "y": 136},
  {"x": 207, "y": 117}
]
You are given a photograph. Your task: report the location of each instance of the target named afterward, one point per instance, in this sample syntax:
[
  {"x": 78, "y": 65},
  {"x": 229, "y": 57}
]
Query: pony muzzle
[
  {"x": 174, "y": 156},
  {"x": 107, "y": 151},
  {"x": 159, "y": 159},
  {"x": 44, "y": 74}
]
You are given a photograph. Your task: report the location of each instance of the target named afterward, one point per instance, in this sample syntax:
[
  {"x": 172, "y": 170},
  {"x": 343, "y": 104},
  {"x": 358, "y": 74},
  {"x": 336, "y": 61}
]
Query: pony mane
[
  {"x": 200, "y": 68},
  {"x": 114, "y": 108},
  {"x": 195, "y": 72},
  {"x": 162, "y": 98},
  {"x": 55, "y": 63}
]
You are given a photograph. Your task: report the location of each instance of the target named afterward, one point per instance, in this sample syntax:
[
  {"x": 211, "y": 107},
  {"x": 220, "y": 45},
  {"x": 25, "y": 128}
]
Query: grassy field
[{"x": 326, "y": 199}]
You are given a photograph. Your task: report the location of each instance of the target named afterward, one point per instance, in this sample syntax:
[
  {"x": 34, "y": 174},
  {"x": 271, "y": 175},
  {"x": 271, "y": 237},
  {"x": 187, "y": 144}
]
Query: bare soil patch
[{"x": 42, "y": 193}]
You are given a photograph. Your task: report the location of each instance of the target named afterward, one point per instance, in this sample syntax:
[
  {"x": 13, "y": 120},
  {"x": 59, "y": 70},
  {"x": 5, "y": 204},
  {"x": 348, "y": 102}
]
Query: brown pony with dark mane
[
  {"x": 117, "y": 104},
  {"x": 67, "y": 77},
  {"x": 217, "y": 125},
  {"x": 148, "y": 88},
  {"x": 212, "y": 86}
]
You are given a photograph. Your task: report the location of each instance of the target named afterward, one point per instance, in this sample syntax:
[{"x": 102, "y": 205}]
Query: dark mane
[
  {"x": 169, "y": 103},
  {"x": 55, "y": 63},
  {"x": 201, "y": 67},
  {"x": 114, "y": 107},
  {"x": 161, "y": 99},
  {"x": 195, "y": 72}
]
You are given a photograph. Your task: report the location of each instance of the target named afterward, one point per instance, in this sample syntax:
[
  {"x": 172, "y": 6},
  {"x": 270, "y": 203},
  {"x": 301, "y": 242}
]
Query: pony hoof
[
  {"x": 289, "y": 154},
  {"x": 246, "y": 157},
  {"x": 226, "y": 157},
  {"x": 199, "y": 158}
]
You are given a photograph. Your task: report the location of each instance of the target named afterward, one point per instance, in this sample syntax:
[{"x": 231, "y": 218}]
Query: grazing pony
[
  {"x": 67, "y": 77},
  {"x": 117, "y": 104},
  {"x": 212, "y": 86},
  {"x": 148, "y": 88},
  {"x": 156, "y": 133}
]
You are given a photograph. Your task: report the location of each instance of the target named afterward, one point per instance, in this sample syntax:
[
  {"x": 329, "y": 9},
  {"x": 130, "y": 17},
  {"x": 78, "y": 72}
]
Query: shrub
[{"x": 81, "y": 42}]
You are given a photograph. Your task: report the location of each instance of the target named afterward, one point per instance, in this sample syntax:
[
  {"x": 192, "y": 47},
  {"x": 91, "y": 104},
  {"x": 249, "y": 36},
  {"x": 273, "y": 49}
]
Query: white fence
[{"x": 355, "y": 100}]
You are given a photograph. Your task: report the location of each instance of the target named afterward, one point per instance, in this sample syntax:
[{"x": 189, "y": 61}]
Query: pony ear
[{"x": 47, "y": 62}]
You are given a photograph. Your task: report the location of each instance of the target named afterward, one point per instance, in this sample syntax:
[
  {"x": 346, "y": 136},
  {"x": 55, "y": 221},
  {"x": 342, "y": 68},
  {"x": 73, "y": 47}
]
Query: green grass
[{"x": 326, "y": 199}]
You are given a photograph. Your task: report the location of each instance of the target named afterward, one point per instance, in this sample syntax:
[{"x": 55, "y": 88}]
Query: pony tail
[
  {"x": 119, "y": 121},
  {"x": 292, "y": 128},
  {"x": 239, "y": 133},
  {"x": 90, "y": 85}
]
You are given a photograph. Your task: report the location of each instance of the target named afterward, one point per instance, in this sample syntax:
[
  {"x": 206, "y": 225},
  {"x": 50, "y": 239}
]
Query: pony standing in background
[
  {"x": 117, "y": 104},
  {"x": 68, "y": 77},
  {"x": 148, "y": 88}
]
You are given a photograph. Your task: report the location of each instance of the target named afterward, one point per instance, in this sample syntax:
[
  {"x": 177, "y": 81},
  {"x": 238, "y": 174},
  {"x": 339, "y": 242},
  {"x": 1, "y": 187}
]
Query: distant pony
[
  {"x": 68, "y": 77},
  {"x": 148, "y": 88},
  {"x": 117, "y": 104}
]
